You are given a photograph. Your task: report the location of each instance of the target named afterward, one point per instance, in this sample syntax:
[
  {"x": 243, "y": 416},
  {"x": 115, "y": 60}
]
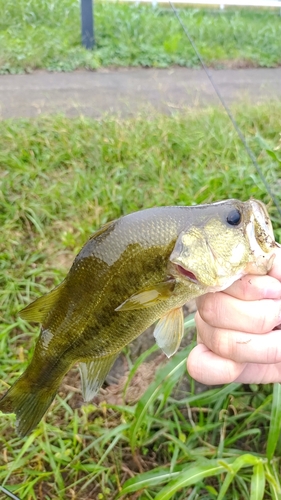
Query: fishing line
[{"x": 230, "y": 115}]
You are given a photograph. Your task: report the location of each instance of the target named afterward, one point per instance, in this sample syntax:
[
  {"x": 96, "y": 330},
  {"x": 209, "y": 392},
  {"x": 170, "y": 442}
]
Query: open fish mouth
[
  {"x": 187, "y": 274},
  {"x": 261, "y": 238}
]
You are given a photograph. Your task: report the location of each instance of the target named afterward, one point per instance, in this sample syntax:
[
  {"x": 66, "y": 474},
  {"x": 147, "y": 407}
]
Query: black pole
[{"x": 87, "y": 24}]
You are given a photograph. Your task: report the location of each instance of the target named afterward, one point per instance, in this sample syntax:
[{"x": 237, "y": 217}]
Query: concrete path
[{"x": 127, "y": 91}]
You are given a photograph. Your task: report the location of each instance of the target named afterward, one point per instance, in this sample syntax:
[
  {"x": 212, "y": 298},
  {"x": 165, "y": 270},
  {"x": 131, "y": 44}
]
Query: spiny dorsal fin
[
  {"x": 102, "y": 229},
  {"x": 169, "y": 331},
  {"x": 38, "y": 310}
]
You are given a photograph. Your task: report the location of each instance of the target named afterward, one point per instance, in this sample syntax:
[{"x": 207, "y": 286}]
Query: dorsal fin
[
  {"x": 102, "y": 229},
  {"x": 38, "y": 310}
]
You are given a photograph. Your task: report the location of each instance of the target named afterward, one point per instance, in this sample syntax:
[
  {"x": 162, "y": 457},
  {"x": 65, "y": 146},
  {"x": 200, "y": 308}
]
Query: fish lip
[
  {"x": 179, "y": 270},
  {"x": 176, "y": 267},
  {"x": 260, "y": 215},
  {"x": 262, "y": 242}
]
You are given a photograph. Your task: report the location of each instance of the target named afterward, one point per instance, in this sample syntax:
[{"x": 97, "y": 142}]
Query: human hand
[{"x": 236, "y": 332}]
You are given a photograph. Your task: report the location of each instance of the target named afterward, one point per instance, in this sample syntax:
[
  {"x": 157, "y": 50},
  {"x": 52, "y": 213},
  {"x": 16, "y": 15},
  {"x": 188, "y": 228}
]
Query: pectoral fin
[
  {"x": 169, "y": 331},
  {"x": 149, "y": 296},
  {"x": 37, "y": 310},
  {"x": 93, "y": 374}
]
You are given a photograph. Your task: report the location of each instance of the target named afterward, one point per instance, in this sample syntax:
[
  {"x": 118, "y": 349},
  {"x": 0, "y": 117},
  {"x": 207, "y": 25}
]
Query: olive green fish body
[
  {"x": 134, "y": 271},
  {"x": 130, "y": 255}
]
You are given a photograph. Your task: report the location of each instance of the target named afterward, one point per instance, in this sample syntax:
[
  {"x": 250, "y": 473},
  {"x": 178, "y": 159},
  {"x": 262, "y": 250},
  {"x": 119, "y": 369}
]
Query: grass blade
[
  {"x": 240, "y": 462},
  {"x": 166, "y": 377},
  {"x": 275, "y": 422},
  {"x": 8, "y": 493},
  {"x": 192, "y": 475},
  {"x": 258, "y": 482},
  {"x": 273, "y": 478},
  {"x": 147, "y": 479}
]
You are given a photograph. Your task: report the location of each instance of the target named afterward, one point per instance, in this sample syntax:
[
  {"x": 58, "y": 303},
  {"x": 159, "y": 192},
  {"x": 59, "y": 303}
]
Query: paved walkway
[{"x": 127, "y": 91}]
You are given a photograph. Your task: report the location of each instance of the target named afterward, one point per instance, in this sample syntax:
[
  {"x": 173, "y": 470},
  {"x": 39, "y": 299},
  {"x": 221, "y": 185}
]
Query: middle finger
[{"x": 220, "y": 310}]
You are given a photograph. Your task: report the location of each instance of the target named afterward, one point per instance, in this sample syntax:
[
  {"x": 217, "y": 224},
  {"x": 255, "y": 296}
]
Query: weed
[
  {"x": 46, "y": 34},
  {"x": 60, "y": 180}
]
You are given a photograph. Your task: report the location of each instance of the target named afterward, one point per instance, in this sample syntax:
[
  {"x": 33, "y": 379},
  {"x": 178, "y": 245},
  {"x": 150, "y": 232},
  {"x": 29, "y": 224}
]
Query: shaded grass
[
  {"x": 46, "y": 34},
  {"x": 60, "y": 180}
]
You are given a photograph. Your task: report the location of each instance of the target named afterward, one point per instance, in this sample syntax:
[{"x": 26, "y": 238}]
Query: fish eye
[{"x": 234, "y": 217}]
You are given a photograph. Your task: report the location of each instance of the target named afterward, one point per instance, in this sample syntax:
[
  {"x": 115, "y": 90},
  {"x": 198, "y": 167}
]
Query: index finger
[
  {"x": 276, "y": 268},
  {"x": 252, "y": 287}
]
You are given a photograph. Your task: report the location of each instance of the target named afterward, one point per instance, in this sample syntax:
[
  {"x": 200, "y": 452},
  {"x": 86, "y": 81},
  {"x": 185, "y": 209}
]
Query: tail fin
[{"x": 28, "y": 406}]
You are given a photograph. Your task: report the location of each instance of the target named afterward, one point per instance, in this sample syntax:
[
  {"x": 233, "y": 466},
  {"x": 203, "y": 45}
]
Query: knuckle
[
  {"x": 192, "y": 365},
  {"x": 260, "y": 324},
  {"x": 231, "y": 372},
  {"x": 208, "y": 308},
  {"x": 266, "y": 318},
  {"x": 245, "y": 287},
  {"x": 219, "y": 343},
  {"x": 274, "y": 353}
]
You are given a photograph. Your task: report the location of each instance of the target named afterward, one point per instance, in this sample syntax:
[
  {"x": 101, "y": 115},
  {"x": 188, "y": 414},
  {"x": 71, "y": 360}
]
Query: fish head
[{"x": 224, "y": 242}]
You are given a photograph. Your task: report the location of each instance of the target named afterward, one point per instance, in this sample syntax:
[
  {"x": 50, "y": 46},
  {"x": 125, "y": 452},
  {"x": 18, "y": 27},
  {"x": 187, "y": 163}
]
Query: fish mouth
[
  {"x": 261, "y": 240},
  {"x": 265, "y": 236},
  {"x": 187, "y": 274}
]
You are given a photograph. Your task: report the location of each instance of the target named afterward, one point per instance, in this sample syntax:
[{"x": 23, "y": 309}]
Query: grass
[
  {"x": 60, "y": 180},
  {"x": 36, "y": 34}
]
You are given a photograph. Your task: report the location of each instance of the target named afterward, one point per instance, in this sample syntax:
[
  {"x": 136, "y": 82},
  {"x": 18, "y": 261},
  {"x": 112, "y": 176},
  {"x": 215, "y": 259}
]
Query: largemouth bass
[{"x": 134, "y": 271}]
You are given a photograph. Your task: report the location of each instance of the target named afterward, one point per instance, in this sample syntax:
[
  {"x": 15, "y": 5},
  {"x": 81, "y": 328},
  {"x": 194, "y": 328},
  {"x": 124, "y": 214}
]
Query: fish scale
[{"x": 132, "y": 272}]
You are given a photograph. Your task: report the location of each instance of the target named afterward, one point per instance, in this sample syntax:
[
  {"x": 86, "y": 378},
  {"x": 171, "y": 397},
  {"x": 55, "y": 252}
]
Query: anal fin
[
  {"x": 93, "y": 374},
  {"x": 169, "y": 331}
]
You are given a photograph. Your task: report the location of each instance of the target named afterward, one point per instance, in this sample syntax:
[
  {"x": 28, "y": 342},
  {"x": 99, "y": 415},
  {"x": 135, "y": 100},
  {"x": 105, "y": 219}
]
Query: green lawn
[
  {"x": 60, "y": 180},
  {"x": 46, "y": 34}
]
